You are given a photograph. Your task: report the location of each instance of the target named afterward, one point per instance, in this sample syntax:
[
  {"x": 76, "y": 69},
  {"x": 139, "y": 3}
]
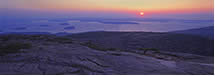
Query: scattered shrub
[
  {"x": 153, "y": 49},
  {"x": 116, "y": 54},
  {"x": 60, "y": 40},
  {"x": 96, "y": 47},
  {"x": 13, "y": 47},
  {"x": 112, "y": 49},
  {"x": 5, "y": 38},
  {"x": 149, "y": 49}
]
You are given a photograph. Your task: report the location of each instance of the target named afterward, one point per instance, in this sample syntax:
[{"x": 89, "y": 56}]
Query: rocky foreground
[{"x": 52, "y": 55}]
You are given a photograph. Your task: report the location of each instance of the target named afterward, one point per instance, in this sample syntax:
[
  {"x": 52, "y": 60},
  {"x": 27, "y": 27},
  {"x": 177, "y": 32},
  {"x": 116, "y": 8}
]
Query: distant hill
[
  {"x": 28, "y": 33},
  {"x": 62, "y": 34},
  {"x": 162, "y": 41},
  {"x": 204, "y": 32}
]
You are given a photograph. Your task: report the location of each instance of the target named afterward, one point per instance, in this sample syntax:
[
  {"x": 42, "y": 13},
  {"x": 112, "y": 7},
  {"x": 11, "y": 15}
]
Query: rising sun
[{"x": 142, "y": 13}]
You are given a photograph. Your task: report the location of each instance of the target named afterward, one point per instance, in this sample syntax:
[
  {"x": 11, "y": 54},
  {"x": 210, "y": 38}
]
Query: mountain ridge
[
  {"x": 207, "y": 32},
  {"x": 163, "y": 41}
]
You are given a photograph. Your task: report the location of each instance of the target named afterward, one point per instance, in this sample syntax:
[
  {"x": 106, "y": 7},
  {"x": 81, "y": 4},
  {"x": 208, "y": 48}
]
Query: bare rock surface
[{"x": 53, "y": 58}]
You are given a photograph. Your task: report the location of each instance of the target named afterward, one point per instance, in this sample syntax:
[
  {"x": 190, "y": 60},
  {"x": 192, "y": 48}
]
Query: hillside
[
  {"x": 207, "y": 32},
  {"x": 53, "y": 55},
  {"x": 161, "y": 41}
]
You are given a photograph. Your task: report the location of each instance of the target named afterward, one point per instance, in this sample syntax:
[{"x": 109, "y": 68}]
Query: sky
[
  {"x": 104, "y": 15},
  {"x": 123, "y": 8}
]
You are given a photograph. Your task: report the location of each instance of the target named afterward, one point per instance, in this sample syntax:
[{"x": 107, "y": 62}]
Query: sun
[{"x": 142, "y": 13}]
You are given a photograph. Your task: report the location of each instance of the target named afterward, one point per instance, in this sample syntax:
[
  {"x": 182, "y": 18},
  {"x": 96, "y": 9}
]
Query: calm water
[{"x": 77, "y": 25}]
